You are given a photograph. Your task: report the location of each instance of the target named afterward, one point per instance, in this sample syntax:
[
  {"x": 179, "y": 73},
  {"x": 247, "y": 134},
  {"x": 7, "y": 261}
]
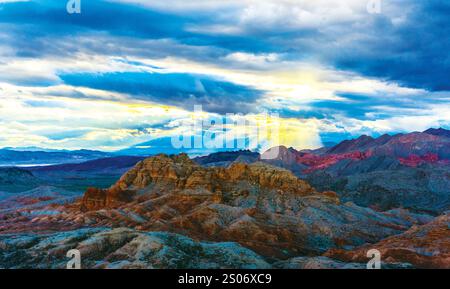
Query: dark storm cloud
[
  {"x": 178, "y": 89},
  {"x": 414, "y": 53}
]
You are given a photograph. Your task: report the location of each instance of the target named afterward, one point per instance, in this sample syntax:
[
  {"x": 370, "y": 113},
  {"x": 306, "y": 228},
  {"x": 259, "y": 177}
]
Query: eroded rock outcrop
[
  {"x": 179, "y": 173},
  {"x": 264, "y": 208},
  {"x": 96, "y": 199}
]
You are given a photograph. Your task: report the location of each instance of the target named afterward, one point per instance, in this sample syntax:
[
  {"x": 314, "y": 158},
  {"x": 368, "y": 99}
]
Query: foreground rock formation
[
  {"x": 124, "y": 248},
  {"x": 178, "y": 173},
  {"x": 264, "y": 208}
]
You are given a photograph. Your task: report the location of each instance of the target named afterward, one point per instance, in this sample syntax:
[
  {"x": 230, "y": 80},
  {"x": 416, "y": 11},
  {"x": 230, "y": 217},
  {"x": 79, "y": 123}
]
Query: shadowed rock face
[
  {"x": 224, "y": 159},
  {"x": 424, "y": 189},
  {"x": 264, "y": 208},
  {"x": 96, "y": 199},
  {"x": 16, "y": 180},
  {"x": 323, "y": 262},
  {"x": 439, "y": 132},
  {"x": 426, "y": 246}
]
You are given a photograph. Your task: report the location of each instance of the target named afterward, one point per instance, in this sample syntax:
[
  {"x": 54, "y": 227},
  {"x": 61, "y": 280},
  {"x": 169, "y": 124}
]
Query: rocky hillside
[
  {"x": 178, "y": 173},
  {"x": 16, "y": 180},
  {"x": 427, "y": 246},
  {"x": 425, "y": 189},
  {"x": 123, "y": 249}
]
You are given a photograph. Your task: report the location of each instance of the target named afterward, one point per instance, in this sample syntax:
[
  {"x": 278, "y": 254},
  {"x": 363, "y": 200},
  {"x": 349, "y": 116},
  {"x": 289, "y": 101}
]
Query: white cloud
[{"x": 241, "y": 16}]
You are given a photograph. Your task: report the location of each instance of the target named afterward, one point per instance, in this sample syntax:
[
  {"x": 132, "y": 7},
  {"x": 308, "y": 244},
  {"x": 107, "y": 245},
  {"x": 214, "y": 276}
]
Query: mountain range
[
  {"x": 37, "y": 156},
  {"x": 404, "y": 170},
  {"x": 411, "y": 149}
]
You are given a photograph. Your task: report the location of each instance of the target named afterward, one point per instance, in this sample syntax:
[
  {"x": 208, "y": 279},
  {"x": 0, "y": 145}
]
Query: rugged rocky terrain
[
  {"x": 425, "y": 246},
  {"x": 179, "y": 212},
  {"x": 123, "y": 249},
  {"x": 404, "y": 170},
  {"x": 424, "y": 189},
  {"x": 262, "y": 208}
]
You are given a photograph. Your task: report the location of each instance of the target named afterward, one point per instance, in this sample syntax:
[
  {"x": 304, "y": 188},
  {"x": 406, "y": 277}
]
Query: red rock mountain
[{"x": 413, "y": 149}]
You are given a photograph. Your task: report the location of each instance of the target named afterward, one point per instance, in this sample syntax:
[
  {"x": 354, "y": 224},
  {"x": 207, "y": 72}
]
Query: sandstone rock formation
[
  {"x": 264, "y": 208},
  {"x": 180, "y": 172},
  {"x": 96, "y": 199}
]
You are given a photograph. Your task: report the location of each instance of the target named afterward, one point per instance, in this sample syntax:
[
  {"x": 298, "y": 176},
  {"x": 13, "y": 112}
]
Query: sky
[{"x": 129, "y": 72}]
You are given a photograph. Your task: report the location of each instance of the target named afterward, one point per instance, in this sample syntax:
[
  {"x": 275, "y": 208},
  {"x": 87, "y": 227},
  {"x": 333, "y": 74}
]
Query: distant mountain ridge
[
  {"x": 103, "y": 164},
  {"x": 10, "y": 157},
  {"x": 226, "y": 158},
  {"x": 439, "y": 132},
  {"x": 412, "y": 149}
]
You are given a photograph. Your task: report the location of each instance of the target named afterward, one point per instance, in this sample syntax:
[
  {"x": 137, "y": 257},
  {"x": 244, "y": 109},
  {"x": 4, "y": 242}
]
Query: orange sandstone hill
[{"x": 180, "y": 174}]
